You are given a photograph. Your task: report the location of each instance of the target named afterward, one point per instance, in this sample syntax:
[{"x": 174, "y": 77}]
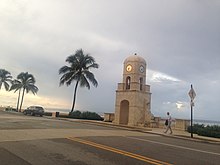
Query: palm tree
[
  {"x": 24, "y": 83},
  {"x": 17, "y": 85},
  {"x": 78, "y": 71},
  {"x": 5, "y": 79}
]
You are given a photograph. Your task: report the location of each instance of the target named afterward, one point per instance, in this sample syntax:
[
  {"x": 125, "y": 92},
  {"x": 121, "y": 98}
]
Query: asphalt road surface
[{"x": 26, "y": 140}]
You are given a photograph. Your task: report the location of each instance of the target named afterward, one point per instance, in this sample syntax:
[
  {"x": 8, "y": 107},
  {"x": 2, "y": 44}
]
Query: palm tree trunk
[
  {"x": 22, "y": 99},
  {"x": 74, "y": 97},
  {"x": 18, "y": 99}
]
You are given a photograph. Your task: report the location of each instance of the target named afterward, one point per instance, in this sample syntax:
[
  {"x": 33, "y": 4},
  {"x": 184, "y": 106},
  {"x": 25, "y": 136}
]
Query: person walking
[{"x": 168, "y": 123}]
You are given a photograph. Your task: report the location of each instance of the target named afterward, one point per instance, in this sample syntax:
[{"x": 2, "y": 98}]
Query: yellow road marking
[{"x": 129, "y": 154}]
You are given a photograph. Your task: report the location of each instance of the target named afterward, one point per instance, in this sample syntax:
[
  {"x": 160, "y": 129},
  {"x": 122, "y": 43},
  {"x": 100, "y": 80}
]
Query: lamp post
[{"x": 192, "y": 96}]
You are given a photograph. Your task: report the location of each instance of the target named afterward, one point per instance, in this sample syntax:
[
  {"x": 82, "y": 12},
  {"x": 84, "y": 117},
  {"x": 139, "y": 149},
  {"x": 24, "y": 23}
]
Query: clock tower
[{"x": 133, "y": 97}]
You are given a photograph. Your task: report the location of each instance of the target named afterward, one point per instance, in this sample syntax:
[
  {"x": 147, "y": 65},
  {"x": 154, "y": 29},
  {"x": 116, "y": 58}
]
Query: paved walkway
[
  {"x": 186, "y": 135},
  {"x": 159, "y": 131}
]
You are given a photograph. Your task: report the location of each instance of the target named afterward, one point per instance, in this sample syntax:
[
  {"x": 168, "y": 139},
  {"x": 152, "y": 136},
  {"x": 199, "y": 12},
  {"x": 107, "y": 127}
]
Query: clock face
[
  {"x": 129, "y": 68},
  {"x": 141, "y": 68}
]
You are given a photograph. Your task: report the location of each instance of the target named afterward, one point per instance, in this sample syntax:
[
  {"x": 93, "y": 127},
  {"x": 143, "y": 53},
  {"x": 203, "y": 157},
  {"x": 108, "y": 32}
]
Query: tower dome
[{"x": 135, "y": 58}]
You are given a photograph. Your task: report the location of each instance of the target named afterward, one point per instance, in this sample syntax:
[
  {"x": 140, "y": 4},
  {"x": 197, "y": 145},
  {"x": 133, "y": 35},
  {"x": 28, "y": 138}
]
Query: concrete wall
[
  {"x": 2, "y": 108},
  {"x": 156, "y": 122},
  {"x": 181, "y": 124},
  {"x": 177, "y": 124},
  {"x": 109, "y": 117}
]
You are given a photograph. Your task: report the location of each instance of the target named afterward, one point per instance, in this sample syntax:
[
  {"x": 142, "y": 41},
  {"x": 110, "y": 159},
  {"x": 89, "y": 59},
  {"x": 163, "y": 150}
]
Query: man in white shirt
[{"x": 169, "y": 123}]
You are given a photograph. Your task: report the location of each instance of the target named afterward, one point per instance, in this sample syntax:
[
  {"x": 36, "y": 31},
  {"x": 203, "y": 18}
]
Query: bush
[
  {"x": 90, "y": 116},
  {"x": 10, "y": 109},
  {"x": 196, "y": 127},
  {"x": 75, "y": 114},
  {"x": 85, "y": 115},
  {"x": 210, "y": 131}
]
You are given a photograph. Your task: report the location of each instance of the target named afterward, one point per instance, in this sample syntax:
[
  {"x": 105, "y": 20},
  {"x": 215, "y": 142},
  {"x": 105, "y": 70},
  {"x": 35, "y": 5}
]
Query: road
[{"x": 26, "y": 140}]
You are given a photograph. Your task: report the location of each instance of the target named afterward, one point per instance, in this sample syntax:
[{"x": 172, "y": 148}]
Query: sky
[{"x": 179, "y": 39}]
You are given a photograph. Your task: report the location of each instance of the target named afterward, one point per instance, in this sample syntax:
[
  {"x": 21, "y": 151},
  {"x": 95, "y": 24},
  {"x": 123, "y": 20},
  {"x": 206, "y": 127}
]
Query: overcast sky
[{"x": 179, "y": 39}]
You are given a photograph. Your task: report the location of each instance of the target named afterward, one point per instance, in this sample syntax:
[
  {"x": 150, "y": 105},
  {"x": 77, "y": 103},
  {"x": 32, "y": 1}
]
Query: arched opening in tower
[
  {"x": 124, "y": 112},
  {"x": 128, "y": 82}
]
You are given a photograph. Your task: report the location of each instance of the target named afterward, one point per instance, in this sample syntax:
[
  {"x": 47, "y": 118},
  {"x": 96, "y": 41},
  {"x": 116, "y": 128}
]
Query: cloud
[
  {"x": 179, "y": 41},
  {"x": 157, "y": 77}
]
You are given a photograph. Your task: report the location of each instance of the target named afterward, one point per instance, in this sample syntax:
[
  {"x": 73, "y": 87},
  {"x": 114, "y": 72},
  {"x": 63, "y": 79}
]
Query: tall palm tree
[
  {"x": 24, "y": 83},
  {"x": 5, "y": 79},
  {"x": 78, "y": 71},
  {"x": 17, "y": 86}
]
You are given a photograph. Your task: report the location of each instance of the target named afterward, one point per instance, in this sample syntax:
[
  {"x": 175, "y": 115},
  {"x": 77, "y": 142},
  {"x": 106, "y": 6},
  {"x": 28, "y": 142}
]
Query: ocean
[
  {"x": 206, "y": 122},
  {"x": 57, "y": 110}
]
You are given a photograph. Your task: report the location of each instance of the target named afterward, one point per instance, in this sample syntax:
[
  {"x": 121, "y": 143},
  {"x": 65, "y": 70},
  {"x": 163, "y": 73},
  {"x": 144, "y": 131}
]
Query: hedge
[
  {"x": 210, "y": 131},
  {"x": 85, "y": 115}
]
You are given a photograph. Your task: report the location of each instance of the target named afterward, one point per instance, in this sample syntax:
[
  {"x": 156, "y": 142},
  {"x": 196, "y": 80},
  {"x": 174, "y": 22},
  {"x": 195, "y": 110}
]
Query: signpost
[{"x": 192, "y": 96}]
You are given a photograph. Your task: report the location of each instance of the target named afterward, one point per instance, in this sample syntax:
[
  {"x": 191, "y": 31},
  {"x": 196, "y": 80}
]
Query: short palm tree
[
  {"x": 78, "y": 71},
  {"x": 25, "y": 82},
  {"x": 5, "y": 79}
]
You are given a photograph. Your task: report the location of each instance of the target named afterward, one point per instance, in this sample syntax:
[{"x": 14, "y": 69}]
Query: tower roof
[{"x": 135, "y": 58}]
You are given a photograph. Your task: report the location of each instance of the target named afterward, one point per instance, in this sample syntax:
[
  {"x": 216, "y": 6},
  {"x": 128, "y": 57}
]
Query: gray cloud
[{"x": 179, "y": 39}]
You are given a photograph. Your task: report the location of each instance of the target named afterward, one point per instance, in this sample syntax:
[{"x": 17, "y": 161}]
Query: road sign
[
  {"x": 192, "y": 103},
  {"x": 192, "y": 93}
]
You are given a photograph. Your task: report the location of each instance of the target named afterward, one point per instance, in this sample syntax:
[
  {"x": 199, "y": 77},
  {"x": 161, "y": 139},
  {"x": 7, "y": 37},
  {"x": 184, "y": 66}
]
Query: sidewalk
[
  {"x": 186, "y": 135},
  {"x": 159, "y": 131}
]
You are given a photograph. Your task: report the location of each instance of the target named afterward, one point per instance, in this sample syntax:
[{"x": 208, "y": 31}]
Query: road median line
[{"x": 129, "y": 154}]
